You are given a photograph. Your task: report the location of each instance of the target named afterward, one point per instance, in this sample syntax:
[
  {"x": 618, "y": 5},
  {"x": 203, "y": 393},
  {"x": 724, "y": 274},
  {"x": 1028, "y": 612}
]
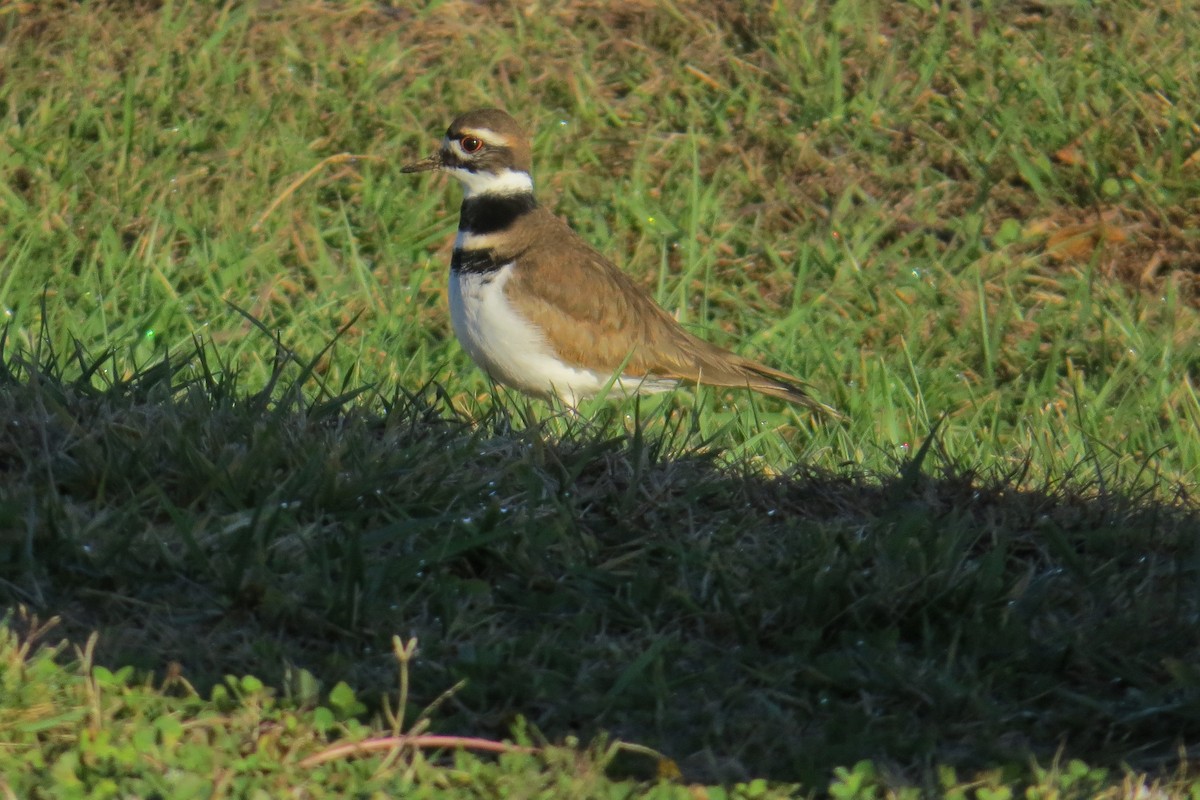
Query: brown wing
[{"x": 594, "y": 315}]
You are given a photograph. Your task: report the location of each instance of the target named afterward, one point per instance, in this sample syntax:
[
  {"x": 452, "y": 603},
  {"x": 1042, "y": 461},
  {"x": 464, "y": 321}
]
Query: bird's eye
[{"x": 471, "y": 144}]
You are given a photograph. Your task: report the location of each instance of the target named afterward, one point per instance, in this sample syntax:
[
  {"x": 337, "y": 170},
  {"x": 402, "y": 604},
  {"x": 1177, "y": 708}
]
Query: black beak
[{"x": 425, "y": 164}]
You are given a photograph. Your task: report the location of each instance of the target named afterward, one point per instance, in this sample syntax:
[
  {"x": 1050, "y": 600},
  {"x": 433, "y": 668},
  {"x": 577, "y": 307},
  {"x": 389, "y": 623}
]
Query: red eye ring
[{"x": 471, "y": 144}]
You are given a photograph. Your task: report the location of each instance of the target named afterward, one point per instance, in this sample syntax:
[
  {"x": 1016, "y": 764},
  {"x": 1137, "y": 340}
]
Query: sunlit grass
[{"x": 236, "y": 413}]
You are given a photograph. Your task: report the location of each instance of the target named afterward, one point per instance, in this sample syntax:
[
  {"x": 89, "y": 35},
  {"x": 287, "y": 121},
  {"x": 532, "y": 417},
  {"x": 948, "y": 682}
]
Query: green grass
[{"x": 239, "y": 437}]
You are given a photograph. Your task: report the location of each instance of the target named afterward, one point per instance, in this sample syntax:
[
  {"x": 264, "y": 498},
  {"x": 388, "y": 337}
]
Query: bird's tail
[{"x": 737, "y": 372}]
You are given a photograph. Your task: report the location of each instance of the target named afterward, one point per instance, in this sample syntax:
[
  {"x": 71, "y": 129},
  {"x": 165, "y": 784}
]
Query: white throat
[{"x": 496, "y": 184}]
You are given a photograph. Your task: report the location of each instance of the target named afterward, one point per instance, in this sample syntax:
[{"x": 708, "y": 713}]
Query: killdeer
[{"x": 541, "y": 311}]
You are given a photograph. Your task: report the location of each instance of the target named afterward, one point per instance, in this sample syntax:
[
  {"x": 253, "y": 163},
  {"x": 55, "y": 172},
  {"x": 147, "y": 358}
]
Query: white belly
[{"x": 512, "y": 350}]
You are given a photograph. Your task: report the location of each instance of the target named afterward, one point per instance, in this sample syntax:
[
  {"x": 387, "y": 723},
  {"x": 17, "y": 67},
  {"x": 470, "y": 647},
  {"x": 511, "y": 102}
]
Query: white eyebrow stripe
[{"x": 489, "y": 136}]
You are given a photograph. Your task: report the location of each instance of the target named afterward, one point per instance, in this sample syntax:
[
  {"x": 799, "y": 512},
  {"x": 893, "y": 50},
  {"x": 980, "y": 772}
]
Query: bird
[{"x": 543, "y": 312}]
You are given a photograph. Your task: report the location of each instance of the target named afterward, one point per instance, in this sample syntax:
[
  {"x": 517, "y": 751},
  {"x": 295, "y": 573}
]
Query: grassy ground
[{"x": 239, "y": 436}]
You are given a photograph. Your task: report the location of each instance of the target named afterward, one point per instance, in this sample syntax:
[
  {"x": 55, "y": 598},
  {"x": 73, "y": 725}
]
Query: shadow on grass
[{"x": 590, "y": 579}]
